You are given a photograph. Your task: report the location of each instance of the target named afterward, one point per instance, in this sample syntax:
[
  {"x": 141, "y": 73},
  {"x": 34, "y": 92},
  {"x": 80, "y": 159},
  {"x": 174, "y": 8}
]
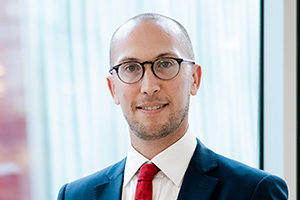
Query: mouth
[{"x": 152, "y": 108}]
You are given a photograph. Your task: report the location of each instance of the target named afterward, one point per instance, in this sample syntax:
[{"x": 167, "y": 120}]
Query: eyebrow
[
  {"x": 166, "y": 54},
  {"x": 126, "y": 58}
]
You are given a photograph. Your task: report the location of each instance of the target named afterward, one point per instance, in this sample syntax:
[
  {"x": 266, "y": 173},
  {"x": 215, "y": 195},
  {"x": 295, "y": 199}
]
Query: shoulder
[
  {"x": 236, "y": 180},
  {"x": 238, "y": 171},
  {"x": 270, "y": 187},
  {"x": 245, "y": 179},
  {"x": 227, "y": 167},
  {"x": 84, "y": 187}
]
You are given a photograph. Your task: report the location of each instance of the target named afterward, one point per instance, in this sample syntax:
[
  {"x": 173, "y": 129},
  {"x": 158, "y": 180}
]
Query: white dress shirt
[{"x": 172, "y": 162}]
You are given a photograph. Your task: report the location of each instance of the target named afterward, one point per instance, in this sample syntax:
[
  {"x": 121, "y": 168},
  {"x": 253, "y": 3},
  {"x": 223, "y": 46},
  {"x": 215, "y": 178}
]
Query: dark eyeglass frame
[{"x": 179, "y": 61}]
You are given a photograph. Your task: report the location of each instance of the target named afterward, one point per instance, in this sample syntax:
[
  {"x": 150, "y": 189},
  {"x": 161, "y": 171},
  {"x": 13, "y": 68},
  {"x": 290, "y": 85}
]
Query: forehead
[{"x": 144, "y": 40}]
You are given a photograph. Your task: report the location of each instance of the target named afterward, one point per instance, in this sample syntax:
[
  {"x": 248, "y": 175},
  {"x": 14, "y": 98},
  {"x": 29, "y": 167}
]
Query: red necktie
[{"x": 144, "y": 184}]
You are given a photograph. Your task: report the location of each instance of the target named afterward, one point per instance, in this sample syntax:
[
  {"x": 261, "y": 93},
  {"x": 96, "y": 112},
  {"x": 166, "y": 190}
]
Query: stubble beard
[{"x": 161, "y": 130}]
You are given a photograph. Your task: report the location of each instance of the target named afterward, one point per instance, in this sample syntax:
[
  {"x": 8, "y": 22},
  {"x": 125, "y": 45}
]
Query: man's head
[
  {"x": 164, "y": 21},
  {"x": 154, "y": 108}
]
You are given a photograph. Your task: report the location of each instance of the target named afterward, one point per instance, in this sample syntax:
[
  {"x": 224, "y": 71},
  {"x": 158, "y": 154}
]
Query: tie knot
[{"x": 147, "y": 172}]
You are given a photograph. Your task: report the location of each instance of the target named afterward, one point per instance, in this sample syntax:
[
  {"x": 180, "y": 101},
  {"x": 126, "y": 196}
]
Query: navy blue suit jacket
[{"x": 209, "y": 176}]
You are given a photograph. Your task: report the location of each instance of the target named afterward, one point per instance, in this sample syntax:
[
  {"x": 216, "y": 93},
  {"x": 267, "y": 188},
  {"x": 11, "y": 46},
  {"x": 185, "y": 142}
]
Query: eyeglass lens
[{"x": 163, "y": 68}]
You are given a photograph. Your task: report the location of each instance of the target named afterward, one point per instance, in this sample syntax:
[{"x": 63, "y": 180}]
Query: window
[
  {"x": 70, "y": 116},
  {"x": 14, "y": 161}
]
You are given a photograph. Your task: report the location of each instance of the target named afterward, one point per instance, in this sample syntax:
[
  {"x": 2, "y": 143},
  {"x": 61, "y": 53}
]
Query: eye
[
  {"x": 164, "y": 64},
  {"x": 132, "y": 67}
]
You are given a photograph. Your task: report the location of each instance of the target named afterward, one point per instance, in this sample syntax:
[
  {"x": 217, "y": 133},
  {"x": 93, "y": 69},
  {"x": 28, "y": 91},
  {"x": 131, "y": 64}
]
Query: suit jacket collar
[
  {"x": 196, "y": 183},
  {"x": 111, "y": 187}
]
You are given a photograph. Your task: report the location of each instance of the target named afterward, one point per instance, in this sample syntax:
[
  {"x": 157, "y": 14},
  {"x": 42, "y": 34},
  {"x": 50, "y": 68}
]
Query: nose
[{"x": 149, "y": 83}]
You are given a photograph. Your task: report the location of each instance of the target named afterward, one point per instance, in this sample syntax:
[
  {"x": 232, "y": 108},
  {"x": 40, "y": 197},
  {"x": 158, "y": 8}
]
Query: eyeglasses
[{"x": 164, "y": 68}]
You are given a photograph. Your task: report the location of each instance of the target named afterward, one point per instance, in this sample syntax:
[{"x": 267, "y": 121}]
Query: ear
[
  {"x": 196, "y": 78},
  {"x": 112, "y": 89}
]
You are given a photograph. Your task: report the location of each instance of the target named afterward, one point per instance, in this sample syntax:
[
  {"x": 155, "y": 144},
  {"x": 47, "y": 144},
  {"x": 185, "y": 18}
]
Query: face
[{"x": 153, "y": 108}]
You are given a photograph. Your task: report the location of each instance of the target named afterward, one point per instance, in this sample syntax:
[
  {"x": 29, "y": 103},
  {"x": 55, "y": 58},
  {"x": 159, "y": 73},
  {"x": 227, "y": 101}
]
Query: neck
[{"x": 150, "y": 148}]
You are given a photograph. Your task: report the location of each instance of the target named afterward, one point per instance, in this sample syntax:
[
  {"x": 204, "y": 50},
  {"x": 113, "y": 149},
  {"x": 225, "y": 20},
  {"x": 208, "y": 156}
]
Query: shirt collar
[
  {"x": 178, "y": 154},
  {"x": 133, "y": 162}
]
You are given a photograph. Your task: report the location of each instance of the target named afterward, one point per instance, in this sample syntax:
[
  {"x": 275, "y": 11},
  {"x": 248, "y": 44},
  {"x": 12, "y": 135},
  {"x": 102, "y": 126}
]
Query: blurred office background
[{"x": 57, "y": 119}]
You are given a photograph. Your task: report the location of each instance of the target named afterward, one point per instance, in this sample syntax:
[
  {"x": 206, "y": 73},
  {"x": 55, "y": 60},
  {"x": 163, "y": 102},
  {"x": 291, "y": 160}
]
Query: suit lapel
[
  {"x": 196, "y": 183},
  {"x": 111, "y": 187}
]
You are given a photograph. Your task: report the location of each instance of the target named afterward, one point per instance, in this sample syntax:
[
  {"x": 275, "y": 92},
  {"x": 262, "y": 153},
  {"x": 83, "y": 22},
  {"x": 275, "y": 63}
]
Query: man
[{"x": 152, "y": 77}]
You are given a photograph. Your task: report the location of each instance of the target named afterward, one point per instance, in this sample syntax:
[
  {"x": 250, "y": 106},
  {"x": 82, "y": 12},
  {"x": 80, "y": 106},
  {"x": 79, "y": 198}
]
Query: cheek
[
  {"x": 183, "y": 81},
  {"x": 178, "y": 92},
  {"x": 126, "y": 97}
]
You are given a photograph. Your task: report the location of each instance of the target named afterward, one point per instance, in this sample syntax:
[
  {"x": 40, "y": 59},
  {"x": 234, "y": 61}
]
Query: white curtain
[{"x": 73, "y": 126}]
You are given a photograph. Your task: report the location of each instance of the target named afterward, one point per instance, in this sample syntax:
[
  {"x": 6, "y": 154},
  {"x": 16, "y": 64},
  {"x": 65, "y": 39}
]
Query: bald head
[{"x": 151, "y": 21}]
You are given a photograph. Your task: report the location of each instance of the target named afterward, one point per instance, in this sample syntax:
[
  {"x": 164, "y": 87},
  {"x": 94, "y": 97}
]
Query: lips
[{"x": 151, "y": 106}]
